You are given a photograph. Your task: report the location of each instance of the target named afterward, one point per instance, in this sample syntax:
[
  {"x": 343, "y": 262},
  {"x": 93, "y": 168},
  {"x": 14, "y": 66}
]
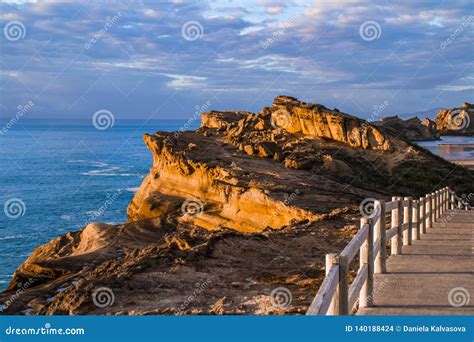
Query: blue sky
[{"x": 164, "y": 59}]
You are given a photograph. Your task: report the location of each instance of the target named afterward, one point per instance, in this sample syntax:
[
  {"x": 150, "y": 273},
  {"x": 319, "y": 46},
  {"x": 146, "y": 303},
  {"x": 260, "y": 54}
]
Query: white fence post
[
  {"x": 367, "y": 258},
  {"x": 407, "y": 219},
  {"x": 433, "y": 208},
  {"x": 397, "y": 224},
  {"x": 380, "y": 235},
  {"x": 422, "y": 215},
  {"x": 331, "y": 260},
  {"x": 416, "y": 220},
  {"x": 429, "y": 223}
]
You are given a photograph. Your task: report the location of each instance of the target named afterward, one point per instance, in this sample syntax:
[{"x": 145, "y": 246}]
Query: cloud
[
  {"x": 74, "y": 56},
  {"x": 185, "y": 81}
]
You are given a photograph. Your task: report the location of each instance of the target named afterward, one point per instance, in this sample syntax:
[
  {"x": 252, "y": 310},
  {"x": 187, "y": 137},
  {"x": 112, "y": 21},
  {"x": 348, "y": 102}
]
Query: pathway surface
[{"x": 434, "y": 275}]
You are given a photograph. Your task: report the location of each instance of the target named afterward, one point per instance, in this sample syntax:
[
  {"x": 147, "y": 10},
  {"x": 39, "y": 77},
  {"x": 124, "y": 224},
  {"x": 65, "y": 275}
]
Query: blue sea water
[
  {"x": 451, "y": 147},
  {"x": 57, "y": 176}
]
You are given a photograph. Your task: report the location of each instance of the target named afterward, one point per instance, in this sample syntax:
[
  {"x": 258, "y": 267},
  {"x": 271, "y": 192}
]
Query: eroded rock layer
[
  {"x": 229, "y": 213},
  {"x": 456, "y": 121},
  {"x": 412, "y": 129}
]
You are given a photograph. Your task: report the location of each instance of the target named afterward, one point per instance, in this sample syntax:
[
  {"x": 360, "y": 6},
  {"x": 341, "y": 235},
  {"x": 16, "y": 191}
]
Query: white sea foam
[
  {"x": 88, "y": 163},
  {"x": 11, "y": 237},
  {"x": 112, "y": 171}
]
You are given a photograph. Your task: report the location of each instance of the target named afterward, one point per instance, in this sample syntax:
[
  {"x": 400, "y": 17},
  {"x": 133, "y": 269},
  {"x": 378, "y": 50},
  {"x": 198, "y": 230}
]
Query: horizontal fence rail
[{"x": 409, "y": 221}]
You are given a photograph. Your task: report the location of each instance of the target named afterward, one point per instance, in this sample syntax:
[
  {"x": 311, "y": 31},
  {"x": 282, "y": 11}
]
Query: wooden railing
[{"x": 409, "y": 221}]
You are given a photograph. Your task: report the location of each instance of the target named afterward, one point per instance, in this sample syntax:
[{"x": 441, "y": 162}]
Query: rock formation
[
  {"x": 456, "y": 121},
  {"x": 412, "y": 129},
  {"x": 228, "y": 213}
]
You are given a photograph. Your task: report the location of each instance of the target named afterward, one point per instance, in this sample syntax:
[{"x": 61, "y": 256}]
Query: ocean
[
  {"x": 451, "y": 147},
  {"x": 57, "y": 176}
]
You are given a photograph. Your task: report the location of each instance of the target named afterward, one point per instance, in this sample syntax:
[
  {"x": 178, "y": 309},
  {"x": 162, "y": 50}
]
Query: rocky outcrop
[
  {"x": 315, "y": 120},
  {"x": 456, "y": 121},
  {"x": 228, "y": 213},
  {"x": 216, "y": 119},
  {"x": 412, "y": 129},
  {"x": 430, "y": 124},
  {"x": 308, "y": 119}
]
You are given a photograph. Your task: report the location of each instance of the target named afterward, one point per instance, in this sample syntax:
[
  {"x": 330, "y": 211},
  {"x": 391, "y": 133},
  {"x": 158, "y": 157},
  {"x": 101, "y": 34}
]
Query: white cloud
[
  {"x": 185, "y": 81},
  {"x": 149, "y": 13}
]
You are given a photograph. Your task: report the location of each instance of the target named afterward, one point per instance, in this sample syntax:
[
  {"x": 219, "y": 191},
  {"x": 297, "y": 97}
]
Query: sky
[{"x": 169, "y": 59}]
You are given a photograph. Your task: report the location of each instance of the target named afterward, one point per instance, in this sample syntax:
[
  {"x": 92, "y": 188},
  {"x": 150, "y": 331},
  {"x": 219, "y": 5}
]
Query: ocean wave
[
  {"x": 11, "y": 237},
  {"x": 88, "y": 163},
  {"x": 94, "y": 213},
  {"x": 132, "y": 189},
  {"x": 111, "y": 171},
  {"x": 110, "y": 174}
]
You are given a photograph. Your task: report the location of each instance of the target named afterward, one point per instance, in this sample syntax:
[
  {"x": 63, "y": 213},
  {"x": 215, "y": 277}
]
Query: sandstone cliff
[
  {"x": 412, "y": 129},
  {"x": 246, "y": 204},
  {"x": 456, "y": 121}
]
